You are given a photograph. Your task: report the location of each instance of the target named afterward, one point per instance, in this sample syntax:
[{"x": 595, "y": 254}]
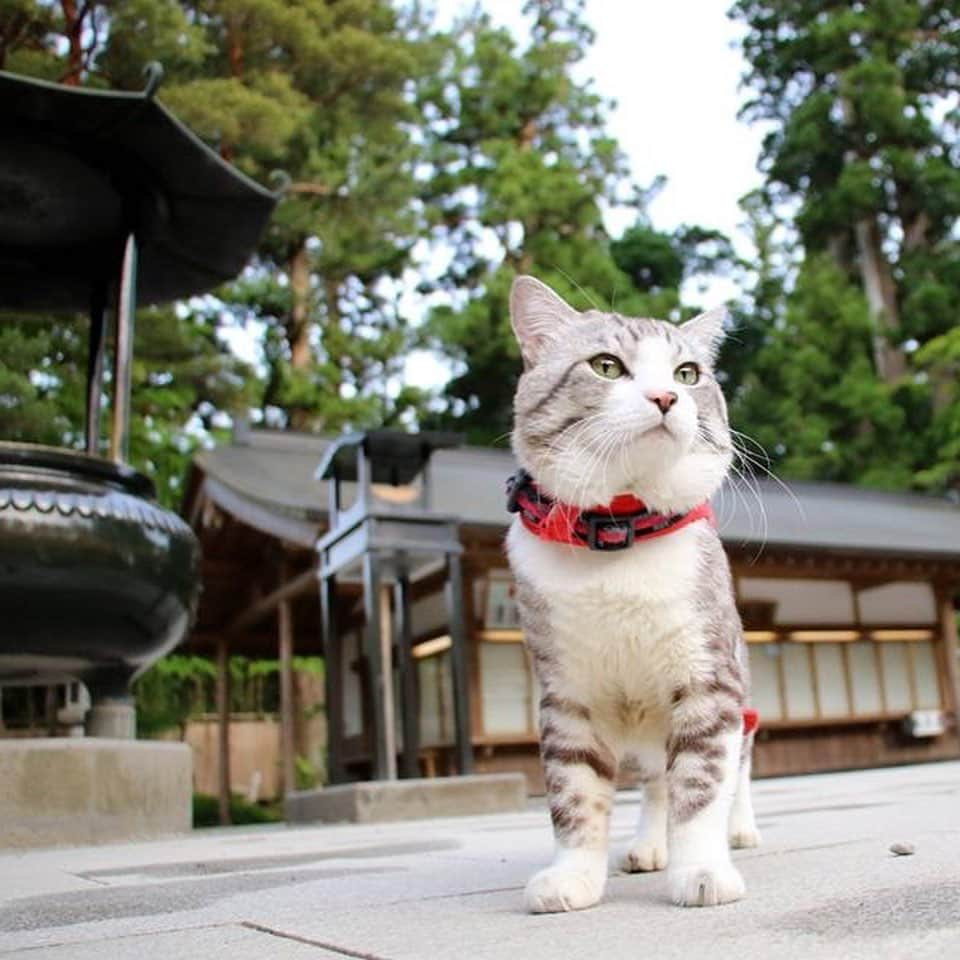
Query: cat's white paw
[
  {"x": 707, "y": 885},
  {"x": 644, "y": 856},
  {"x": 567, "y": 887},
  {"x": 741, "y": 838}
]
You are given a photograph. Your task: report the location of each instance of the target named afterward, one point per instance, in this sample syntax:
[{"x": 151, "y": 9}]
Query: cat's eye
[
  {"x": 607, "y": 366},
  {"x": 687, "y": 374}
]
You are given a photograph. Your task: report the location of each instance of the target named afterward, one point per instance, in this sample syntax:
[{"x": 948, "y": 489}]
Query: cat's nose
[{"x": 664, "y": 400}]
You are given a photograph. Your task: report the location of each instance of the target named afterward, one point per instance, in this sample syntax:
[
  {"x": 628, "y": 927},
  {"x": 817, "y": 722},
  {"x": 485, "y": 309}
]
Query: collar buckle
[
  {"x": 598, "y": 523},
  {"x": 518, "y": 484}
]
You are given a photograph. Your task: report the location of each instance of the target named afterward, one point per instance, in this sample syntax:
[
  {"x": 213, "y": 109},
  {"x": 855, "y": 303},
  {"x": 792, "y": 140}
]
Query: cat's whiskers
[
  {"x": 573, "y": 436},
  {"x": 749, "y": 482},
  {"x": 739, "y": 441}
]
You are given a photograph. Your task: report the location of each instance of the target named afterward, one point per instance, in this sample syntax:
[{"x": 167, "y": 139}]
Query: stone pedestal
[
  {"x": 113, "y": 719},
  {"x": 70, "y": 791},
  {"x": 381, "y": 801}
]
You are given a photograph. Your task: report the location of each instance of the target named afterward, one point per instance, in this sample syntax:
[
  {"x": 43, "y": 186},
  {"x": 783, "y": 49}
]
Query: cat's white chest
[{"x": 623, "y": 626}]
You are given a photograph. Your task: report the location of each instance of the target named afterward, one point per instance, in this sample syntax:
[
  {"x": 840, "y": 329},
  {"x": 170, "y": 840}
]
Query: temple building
[{"x": 846, "y": 596}]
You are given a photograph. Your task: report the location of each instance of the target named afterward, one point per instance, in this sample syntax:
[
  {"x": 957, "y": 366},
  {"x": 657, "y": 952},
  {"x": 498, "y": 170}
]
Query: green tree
[
  {"x": 522, "y": 169},
  {"x": 321, "y": 90},
  {"x": 859, "y": 147},
  {"x": 318, "y": 89}
]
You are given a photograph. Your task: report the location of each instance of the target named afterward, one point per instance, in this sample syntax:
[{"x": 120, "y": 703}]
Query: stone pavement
[{"x": 823, "y": 885}]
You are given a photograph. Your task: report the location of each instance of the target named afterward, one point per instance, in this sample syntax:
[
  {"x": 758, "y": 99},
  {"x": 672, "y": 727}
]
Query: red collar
[{"x": 620, "y": 524}]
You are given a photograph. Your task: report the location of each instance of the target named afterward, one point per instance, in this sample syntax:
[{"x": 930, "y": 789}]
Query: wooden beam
[
  {"x": 259, "y": 609},
  {"x": 223, "y": 740},
  {"x": 287, "y": 735},
  {"x": 948, "y": 627}
]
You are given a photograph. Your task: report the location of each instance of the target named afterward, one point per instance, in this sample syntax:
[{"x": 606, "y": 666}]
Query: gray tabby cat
[{"x": 638, "y": 652}]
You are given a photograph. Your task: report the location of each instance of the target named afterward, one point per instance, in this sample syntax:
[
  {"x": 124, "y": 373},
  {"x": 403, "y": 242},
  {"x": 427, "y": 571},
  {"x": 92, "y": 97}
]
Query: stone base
[
  {"x": 385, "y": 800},
  {"x": 70, "y": 791},
  {"x": 112, "y": 719}
]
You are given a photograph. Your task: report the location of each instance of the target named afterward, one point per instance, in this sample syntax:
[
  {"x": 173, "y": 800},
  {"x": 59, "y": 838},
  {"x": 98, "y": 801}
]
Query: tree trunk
[
  {"x": 235, "y": 59},
  {"x": 839, "y": 248},
  {"x": 298, "y": 329},
  {"x": 73, "y": 28},
  {"x": 879, "y": 286},
  {"x": 881, "y": 292}
]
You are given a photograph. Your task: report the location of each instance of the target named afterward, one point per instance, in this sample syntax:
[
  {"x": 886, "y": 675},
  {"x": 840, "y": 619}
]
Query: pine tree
[
  {"x": 322, "y": 91},
  {"x": 852, "y": 91}
]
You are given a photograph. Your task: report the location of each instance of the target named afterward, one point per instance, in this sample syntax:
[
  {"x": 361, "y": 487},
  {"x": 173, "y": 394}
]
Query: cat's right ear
[{"x": 537, "y": 313}]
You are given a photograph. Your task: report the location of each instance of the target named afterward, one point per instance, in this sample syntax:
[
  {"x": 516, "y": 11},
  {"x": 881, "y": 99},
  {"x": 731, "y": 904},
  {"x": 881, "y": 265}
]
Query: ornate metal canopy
[{"x": 81, "y": 170}]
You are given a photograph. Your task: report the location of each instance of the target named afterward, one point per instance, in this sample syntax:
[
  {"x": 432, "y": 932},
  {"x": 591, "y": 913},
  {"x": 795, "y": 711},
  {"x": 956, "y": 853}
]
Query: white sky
[{"x": 672, "y": 67}]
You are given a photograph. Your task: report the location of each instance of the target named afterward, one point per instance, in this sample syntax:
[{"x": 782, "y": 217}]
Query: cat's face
[{"x": 609, "y": 404}]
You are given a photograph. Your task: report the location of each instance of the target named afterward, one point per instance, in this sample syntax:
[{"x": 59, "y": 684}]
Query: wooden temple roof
[{"x": 266, "y": 479}]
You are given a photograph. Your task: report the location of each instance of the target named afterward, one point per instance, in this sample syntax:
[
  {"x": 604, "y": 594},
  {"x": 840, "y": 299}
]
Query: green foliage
[
  {"x": 170, "y": 691},
  {"x": 306, "y": 775},
  {"x": 811, "y": 397},
  {"x": 861, "y": 146},
  {"x": 178, "y": 687},
  {"x": 464, "y": 157},
  {"x": 184, "y": 379},
  {"x": 206, "y": 811}
]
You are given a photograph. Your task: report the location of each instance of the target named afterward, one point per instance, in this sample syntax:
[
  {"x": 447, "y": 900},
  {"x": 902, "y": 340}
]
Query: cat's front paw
[
  {"x": 707, "y": 885},
  {"x": 741, "y": 838},
  {"x": 644, "y": 856},
  {"x": 567, "y": 887}
]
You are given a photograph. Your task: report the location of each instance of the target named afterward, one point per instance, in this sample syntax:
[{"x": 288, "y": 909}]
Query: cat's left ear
[
  {"x": 708, "y": 330},
  {"x": 537, "y": 314}
]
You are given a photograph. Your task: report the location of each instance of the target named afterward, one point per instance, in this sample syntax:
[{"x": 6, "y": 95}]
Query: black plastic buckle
[
  {"x": 516, "y": 484},
  {"x": 598, "y": 523}
]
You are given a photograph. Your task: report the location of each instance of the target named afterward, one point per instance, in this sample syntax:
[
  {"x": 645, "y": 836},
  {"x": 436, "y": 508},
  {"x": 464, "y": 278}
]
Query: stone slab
[
  {"x": 416, "y": 799},
  {"x": 67, "y": 791},
  {"x": 822, "y": 886},
  {"x": 227, "y": 942}
]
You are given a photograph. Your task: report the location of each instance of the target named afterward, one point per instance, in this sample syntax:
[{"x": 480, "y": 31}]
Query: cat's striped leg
[
  {"x": 703, "y": 765},
  {"x": 648, "y": 849},
  {"x": 580, "y": 771},
  {"x": 743, "y": 825}
]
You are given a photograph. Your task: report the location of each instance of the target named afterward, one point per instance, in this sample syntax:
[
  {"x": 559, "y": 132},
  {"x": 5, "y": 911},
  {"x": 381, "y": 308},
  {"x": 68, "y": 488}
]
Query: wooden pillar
[
  {"x": 473, "y": 623},
  {"x": 410, "y": 705},
  {"x": 287, "y": 733},
  {"x": 381, "y": 679},
  {"x": 333, "y": 677},
  {"x": 458, "y": 665},
  {"x": 223, "y": 713},
  {"x": 948, "y": 630},
  {"x": 386, "y": 667}
]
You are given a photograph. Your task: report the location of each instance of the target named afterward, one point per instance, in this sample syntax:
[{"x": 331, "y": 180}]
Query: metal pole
[
  {"x": 332, "y": 663},
  {"x": 98, "y": 305},
  {"x": 123, "y": 358},
  {"x": 384, "y": 767},
  {"x": 410, "y": 706},
  {"x": 458, "y": 664},
  {"x": 287, "y": 733},
  {"x": 223, "y": 713}
]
